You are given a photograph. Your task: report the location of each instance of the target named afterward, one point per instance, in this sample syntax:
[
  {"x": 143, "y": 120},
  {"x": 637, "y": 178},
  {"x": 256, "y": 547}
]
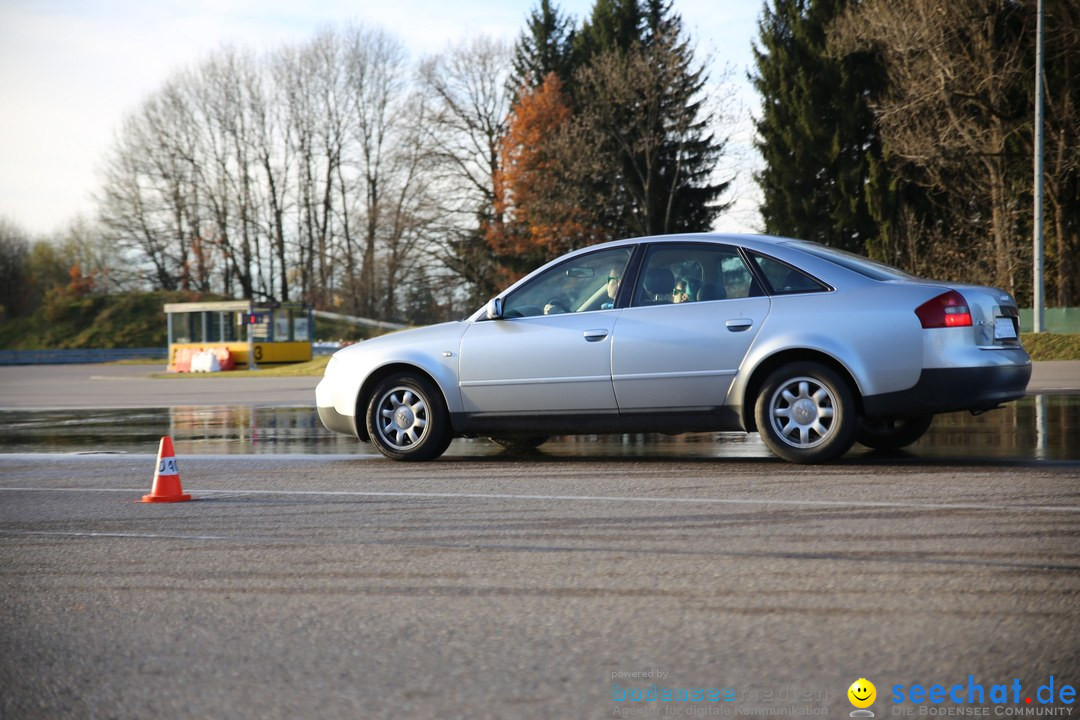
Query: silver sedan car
[{"x": 814, "y": 348}]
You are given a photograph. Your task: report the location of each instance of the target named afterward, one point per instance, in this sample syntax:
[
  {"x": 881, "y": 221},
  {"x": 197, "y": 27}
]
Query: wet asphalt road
[{"x": 495, "y": 587}]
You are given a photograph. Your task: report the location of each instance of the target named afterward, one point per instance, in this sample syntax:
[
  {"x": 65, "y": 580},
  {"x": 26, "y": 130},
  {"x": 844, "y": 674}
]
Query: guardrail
[
  {"x": 363, "y": 322},
  {"x": 81, "y": 356}
]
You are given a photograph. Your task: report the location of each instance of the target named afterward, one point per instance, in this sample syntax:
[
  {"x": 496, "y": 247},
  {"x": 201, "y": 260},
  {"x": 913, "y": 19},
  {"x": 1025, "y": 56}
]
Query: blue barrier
[{"x": 66, "y": 357}]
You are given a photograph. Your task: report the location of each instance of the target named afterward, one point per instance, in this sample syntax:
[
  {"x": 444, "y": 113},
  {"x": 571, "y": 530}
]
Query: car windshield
[{"x": 856, "y": 263}]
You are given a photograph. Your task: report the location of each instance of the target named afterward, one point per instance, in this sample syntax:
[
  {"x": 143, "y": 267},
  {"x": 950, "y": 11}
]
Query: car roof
[{"x": 745, "y": 239}]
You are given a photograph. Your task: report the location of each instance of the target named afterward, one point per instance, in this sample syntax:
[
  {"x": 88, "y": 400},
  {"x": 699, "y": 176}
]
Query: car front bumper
[
  {"x": 941, "y": 390},
  {"x": 328, "y": 413},
  {"x": 335, "y": 421}
]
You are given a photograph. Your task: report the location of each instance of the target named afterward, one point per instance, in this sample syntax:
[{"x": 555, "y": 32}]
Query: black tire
[
  {"x": 518, "y": 445},
  {"x": 891, "y": 433},
  {"x": 806, "y": 413},
  {"x": 406, "y": 418}
]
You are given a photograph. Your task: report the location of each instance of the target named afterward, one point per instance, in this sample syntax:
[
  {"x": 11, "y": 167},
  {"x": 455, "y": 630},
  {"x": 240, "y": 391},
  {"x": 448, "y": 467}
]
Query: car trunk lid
[{"x": 995, "y": 318}]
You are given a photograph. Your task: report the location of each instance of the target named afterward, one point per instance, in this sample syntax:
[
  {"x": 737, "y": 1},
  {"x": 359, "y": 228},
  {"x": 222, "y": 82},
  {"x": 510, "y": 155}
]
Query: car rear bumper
[{"x": 941, "y": 390}]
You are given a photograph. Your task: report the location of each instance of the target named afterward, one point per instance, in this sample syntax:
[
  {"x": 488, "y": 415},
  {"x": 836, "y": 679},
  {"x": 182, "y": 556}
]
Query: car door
[
  {"x": 670, "y": 355},
  {"x": 532, "y": 362}
]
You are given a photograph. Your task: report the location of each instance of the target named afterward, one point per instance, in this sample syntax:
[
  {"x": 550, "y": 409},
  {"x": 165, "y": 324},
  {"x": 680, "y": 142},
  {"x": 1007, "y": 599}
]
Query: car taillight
[{"x": 948, "y": 309}]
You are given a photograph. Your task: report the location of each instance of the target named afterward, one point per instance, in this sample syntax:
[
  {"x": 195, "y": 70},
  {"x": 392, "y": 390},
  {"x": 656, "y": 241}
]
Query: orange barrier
[
  {"x": 182, "y": 360},
  {"x": 182, "y": 357},
  {"x": 225, "y": 357}
]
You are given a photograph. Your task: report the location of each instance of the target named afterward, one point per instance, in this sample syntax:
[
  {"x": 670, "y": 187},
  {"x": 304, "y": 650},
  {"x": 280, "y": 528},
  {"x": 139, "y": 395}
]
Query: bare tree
[
  {"x": 317, "y": 172},
  {"x": 270, "y": 150},
  {"x": 88, "y": 245},
  {"x": 471, "y": 103},
  {"x": 215, "y": 94},
  {"x": 409, "y": 205},
  {"x": 1062, "y": 151},
  {"x": 951, "y": 115},
  {"x": 148, "y": 199},
  {"x": 375, "y": 65},
  {"x": 313, "y": 87}
]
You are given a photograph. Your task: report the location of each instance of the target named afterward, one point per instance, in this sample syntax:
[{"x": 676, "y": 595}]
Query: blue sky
[{"x": 70, "y": 70}]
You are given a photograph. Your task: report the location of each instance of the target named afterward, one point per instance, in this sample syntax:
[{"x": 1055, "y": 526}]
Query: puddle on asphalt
[{"x": 1039, "y": 427}]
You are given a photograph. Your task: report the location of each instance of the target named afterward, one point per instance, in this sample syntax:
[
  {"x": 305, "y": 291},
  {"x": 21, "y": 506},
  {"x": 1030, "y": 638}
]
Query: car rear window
[
  {"x": 784, "y": 279},
  {"x": 856, "y": 263}
]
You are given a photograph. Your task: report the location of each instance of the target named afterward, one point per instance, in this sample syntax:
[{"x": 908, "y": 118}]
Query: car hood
[{"x": 433, "y": 338}]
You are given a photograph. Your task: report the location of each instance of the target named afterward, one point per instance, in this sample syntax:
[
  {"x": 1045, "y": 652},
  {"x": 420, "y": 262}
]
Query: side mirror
[{"x": 494, "y": 309}]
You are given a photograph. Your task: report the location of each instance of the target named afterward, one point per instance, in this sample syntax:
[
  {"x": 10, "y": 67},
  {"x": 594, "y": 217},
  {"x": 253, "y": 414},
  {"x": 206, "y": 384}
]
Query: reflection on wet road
[{"x": 1039, "y": 427}]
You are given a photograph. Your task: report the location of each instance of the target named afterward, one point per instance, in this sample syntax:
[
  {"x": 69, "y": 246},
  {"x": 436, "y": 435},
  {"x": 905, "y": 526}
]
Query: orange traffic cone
[{"x": 167, "y": 478}]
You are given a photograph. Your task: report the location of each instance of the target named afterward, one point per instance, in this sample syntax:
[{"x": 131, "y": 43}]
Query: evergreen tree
[
  {"x": 690, "y": 156},
  {"x": 824, "y": 178},
  {"x": 641, "y": 94},
  {"x": 614, "y": 24},
  {"x": 615, "y": 141},
  {"x": 544, "y": 47}
]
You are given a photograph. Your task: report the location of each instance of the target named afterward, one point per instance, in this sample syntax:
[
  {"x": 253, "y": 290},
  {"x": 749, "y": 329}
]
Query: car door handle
[
  {"x": 595, "y": 335},
  {"x": 739, "y": 324}
]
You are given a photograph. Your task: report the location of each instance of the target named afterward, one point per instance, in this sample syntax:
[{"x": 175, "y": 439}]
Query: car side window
[
  {"x": 783, "y": 279},
  {"x": 693, "y": 272},
  {"x": 580, "y": 284}
]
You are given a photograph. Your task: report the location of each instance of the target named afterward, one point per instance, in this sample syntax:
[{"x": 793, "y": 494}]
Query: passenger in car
[{"x": 685, "y": 290}]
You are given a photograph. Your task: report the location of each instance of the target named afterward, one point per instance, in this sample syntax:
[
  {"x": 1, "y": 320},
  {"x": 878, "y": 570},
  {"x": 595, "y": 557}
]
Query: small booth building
[{"x": 240, "y": 333}]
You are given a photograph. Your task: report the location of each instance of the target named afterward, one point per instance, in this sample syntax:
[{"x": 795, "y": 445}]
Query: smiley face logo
[{"x": 862, "y": 693}]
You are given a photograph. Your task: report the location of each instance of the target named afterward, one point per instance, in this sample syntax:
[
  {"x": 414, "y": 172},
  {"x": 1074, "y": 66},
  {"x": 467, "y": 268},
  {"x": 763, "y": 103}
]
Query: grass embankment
[
  {"x": 65, "y": 322},
  {"x": 1045, "y": 346},
  {"x": 311, "y": 368}
]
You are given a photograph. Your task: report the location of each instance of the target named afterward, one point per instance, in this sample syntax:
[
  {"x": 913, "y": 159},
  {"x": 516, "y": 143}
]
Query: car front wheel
[
  {"x": 806, "y": 413},
  {"x": 891, "y": 433},
  {"x": 407, "y": 419}
]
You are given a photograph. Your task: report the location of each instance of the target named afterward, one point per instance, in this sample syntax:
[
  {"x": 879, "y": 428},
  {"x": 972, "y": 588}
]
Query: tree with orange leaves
[{"x": 536, "y": 197}]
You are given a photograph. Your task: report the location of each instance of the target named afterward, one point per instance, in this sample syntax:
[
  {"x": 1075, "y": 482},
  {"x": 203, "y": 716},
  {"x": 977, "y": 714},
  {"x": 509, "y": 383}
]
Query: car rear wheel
[
  {"x": 407, "y": 419},
  {"x": 806, "y": 413},
  {"x": 891, "y": 433}
]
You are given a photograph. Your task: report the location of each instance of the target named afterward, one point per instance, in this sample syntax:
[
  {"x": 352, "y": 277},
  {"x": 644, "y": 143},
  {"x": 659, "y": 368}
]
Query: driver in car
[{"x": 613, "y": 279}]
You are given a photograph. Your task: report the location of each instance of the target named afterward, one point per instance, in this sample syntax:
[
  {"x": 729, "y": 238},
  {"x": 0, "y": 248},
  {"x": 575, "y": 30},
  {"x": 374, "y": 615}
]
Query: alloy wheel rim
[
  {"x": 402, "y": 418},
  {"x": 803, "y": 412}
]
